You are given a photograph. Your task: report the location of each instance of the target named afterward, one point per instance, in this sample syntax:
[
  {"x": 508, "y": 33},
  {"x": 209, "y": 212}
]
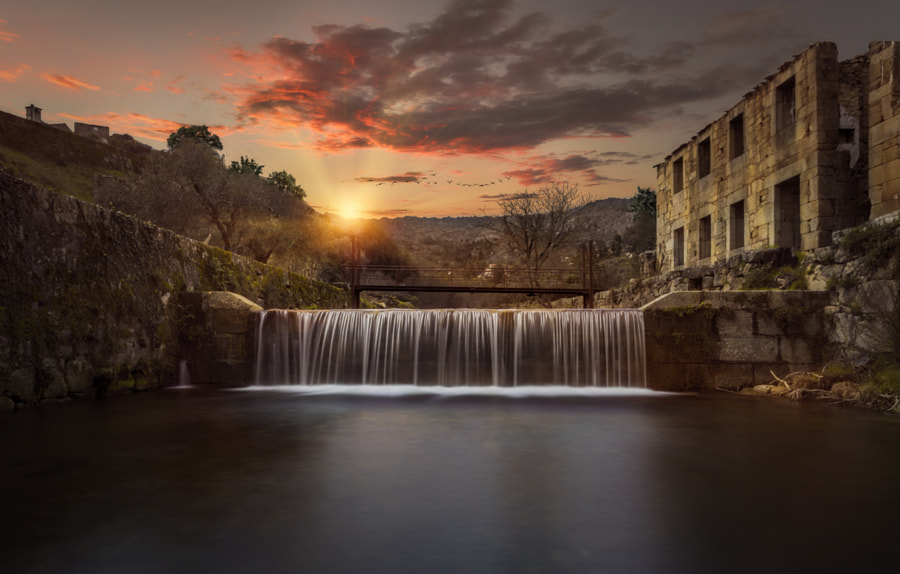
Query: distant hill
[
  {"x": 61, "y": 161},
  {"x": 467, "y": 241}
]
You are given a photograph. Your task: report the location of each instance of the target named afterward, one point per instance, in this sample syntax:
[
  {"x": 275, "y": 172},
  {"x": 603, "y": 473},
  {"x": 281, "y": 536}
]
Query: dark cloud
[
  {"x": 549, "y": 169},
  {"x": 747, "y": 26},
  {"x": 475, "y": 80}
]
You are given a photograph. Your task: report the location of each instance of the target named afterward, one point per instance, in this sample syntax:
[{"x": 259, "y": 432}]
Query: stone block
[
  {"x": 228, "y": 312},
  {"x": 892, "y": 170},
  {"x": 735, "y": 322},
  {"x": 891, "y": 151},
  {"x": 881, "y": 132},
  {"x": 796, "y": 350},
  {"x": 726, "y": 376},
  {"x": 793, "y": 321},
  {"x": 679, "y": 377},
  {"x": 748, "y": 349}
]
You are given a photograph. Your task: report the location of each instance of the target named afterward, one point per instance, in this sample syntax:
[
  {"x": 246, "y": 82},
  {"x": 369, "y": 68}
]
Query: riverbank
[{"x": 836, "y": 385}]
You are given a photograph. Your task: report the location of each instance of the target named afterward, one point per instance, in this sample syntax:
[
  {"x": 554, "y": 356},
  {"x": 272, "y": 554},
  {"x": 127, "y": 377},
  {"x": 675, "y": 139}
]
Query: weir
[{"x": 460, "y": 347}]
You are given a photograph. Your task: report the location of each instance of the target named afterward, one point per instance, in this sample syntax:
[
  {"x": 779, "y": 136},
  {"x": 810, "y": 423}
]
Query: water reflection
[{"x": 272, "y": 481}]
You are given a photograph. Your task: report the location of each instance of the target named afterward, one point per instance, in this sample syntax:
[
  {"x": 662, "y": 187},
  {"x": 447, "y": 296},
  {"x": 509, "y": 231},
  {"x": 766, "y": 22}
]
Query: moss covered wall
[{"x": 89, "y": 297}]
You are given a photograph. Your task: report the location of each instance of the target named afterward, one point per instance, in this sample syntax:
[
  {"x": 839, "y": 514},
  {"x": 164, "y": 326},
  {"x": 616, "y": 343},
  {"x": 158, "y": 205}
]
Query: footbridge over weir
[{"x": 563, "y": 282}]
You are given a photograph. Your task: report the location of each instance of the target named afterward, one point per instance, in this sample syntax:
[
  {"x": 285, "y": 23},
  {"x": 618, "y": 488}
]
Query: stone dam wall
[
  {"x": 95, "y": 302},
  {"x": 699, "y": 340}
]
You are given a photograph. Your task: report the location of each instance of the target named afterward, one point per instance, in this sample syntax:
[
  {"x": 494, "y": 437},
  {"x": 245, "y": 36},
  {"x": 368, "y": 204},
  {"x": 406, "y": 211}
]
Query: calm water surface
[{"x": 201, "y": 480}]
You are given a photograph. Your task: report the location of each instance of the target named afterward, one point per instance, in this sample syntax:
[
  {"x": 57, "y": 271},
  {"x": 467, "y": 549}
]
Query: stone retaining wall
[
  {"x": 89, "y": 297},
  {"x": 732, "y": 339}
]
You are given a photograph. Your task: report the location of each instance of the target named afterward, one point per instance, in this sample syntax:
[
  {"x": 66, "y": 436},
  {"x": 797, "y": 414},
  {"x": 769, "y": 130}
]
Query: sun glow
[{"x": 351, "y": 210}]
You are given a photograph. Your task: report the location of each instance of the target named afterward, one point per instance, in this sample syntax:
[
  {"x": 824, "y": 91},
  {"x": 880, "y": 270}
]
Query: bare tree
[{"x": 535, "y": 225}]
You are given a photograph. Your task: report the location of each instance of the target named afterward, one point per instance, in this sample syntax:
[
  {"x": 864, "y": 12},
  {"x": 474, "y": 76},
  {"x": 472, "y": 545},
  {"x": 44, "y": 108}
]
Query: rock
[
  {"x": 7, "y": 404},
  {"x": 21, "y": 386},
  {"x": 53, "y": 381},
  {"x": 878, "y": 296}
]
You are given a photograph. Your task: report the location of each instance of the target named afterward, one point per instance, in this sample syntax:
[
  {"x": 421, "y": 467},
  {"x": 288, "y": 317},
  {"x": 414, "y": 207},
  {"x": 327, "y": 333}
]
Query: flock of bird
[{"x": 432, "y": 179}]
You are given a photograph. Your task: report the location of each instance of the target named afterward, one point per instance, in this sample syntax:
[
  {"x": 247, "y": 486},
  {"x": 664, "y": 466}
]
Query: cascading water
[{"x": 600, "y": 348}]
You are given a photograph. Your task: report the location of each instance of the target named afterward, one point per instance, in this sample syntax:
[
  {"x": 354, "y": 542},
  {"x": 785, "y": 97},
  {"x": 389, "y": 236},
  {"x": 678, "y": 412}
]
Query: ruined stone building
[
  {"x": 813, "y": 149},
  {"x": 92, "y": 131},
  {"x": 33, "y": 113}
]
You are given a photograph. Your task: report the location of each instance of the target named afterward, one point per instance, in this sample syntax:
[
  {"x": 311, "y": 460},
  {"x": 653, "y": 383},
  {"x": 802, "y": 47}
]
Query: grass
[{"x": 61, "y": 161}]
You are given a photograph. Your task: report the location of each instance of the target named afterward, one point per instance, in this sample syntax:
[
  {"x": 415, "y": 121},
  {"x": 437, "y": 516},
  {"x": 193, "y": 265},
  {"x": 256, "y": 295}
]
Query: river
[{"x": 286, "y": 480}]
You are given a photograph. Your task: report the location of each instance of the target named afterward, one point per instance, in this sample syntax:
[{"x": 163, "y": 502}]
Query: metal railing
[{"x": 462, "y": 277}]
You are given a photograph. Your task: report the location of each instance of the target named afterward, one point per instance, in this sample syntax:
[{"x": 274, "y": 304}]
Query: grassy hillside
[{"x": 61, "y": 161}]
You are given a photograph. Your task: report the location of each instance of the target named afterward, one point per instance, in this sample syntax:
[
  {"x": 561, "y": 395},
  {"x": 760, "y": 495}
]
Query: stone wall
[
  {"x": 884, "y": 121},
  {"x": 732, "y": 339},
  {"x": 850, "y": 297},
  {"x": 90, "y": 298}
]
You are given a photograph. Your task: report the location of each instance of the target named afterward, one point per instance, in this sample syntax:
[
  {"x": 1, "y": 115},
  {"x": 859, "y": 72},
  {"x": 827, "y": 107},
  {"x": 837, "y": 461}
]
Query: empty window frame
[
  {"x": 736, "y": 230},
  {"x": 736, "y": 136},
  {"x": 704, "y": 158},
  {"x": 678, "y": 247},
  {"x": 787, "y": 213},
  {"x": 678, "y": 175},
  {"x": 786, "y": 109},
  {"x": 705, "y": 237}
]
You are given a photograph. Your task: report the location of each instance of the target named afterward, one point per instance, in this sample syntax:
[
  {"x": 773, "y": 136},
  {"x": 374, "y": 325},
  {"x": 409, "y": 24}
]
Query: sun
[{"x": 349, "y": 211}]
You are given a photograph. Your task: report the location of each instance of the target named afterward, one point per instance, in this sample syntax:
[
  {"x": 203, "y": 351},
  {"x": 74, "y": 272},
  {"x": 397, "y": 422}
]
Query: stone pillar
[{"x": 217, "y": 337}]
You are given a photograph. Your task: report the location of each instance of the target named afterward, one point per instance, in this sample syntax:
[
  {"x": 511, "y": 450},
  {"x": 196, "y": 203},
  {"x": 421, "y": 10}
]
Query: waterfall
[{"x": 458, "y": 347}]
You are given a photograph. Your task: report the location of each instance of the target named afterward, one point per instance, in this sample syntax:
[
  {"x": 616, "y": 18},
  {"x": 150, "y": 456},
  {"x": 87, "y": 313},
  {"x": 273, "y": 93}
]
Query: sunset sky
[{"x": 418, "y": 107}]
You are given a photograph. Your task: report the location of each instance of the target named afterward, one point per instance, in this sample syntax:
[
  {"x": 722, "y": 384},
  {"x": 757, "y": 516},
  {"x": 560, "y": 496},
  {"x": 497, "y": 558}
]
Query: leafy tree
[
  {"x": 246, "y": 166},
  {"x": 640, "y": 236},
  {"x": 644, "y": 201},
  {"x": 194, "y": 133},
  {"x": 191, "y": 192},
  {"x": 286, "y": 182},
  {"x": 535, "y": 225}
]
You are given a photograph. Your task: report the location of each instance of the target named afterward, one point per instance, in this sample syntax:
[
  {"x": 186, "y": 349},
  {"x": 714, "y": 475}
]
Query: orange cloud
[
  {"x": 12, "y": 75},
  {"x": 144, "y": 87},
  {"x": 7, "y": 36},
  {"x": 69, "y": 82},
  {"x": 174, "y": 87}
]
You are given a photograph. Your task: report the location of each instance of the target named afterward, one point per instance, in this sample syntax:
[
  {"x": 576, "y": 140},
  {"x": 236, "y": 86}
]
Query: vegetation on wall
[{"x": 877, "y": 246}]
